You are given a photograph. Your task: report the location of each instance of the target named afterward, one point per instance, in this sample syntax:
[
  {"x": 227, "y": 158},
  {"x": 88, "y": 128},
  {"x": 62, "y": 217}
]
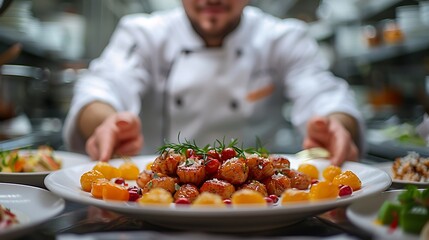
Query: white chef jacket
[{"x": 158, "y": 67}]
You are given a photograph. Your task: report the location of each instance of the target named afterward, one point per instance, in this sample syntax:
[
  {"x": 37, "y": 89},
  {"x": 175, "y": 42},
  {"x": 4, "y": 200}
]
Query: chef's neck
[
  {"x": 213, "y": 42},
  {"x": 216, "y": 40}
]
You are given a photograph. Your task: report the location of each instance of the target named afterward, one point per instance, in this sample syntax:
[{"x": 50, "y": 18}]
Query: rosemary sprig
[
  {"x": 181, "y": 148},
  {"x": 218, "y": 146}
]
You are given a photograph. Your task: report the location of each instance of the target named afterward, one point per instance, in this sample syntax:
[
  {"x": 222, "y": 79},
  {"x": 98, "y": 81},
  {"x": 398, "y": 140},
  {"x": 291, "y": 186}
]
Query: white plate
[
  {"x": 66, "y": 183},
  {"x": 36, "y": 178},
  {"x": 363, "y": 214},
  {"x": 31, "y": 205},
  {"x": 387, "y": 167}
]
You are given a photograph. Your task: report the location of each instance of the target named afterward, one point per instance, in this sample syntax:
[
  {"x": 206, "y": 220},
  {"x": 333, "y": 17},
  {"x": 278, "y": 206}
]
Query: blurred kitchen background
[{"x": 381, "y": 47}]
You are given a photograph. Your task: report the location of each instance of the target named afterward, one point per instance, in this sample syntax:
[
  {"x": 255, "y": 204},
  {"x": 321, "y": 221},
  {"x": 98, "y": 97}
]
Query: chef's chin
[{"x": 213, "y": 27}]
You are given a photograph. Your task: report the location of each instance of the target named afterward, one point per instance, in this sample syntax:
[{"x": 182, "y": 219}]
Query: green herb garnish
[{"x": 218, "y": 146}]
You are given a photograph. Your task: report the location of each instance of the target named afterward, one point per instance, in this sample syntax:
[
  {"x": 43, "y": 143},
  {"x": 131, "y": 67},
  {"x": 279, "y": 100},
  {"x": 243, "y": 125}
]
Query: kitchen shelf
[
  {"x": 370, "y": 11},
  {"x": 372, "y": 8},
  {"x": 388, "y": 52}
]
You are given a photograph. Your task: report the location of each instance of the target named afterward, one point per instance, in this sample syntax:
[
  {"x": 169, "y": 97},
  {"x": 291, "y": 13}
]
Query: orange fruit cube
[
  {"x": 348, "y": 178},
  {"x": 248, "y": 196},
  {"x": 294, "y": 195},
  {"x": 129, "y": 170},
  {"x": 88, "y": 178},
  {"x": 309, "y": 169},
  {"x": 115, "y": 192},
  {"x": 97, "y": 187},
  {"x": 323, "y": 190},
  {"x": 330, "y": 172},
  {"x": 108, "y": 170}
]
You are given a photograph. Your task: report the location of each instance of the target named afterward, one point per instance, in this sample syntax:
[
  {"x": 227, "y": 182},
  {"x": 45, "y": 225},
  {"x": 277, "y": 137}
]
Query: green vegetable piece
[
  {"x": 413, "y": 219},
  {"x": 387, "y": 212}
]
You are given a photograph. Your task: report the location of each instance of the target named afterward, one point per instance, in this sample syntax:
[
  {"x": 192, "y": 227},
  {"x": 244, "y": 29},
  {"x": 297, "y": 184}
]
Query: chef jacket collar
[{"x": 192, "y": 41}]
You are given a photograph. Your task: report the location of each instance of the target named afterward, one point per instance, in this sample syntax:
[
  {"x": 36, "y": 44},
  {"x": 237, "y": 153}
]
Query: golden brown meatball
[
  {"x": 277, "y": 184},
  {"x": 144, "y": 177},
  {"x": 256, "y": 186},
  {"x": 191, "y": 171},
  {"x": 279, "y": 162},
  {"x": 234, "y": 170},
  {"x": 188, "y": 191},
  {"x": 259, "y": 167},
  {"x": 167, "y": 183},
  {"x": 298, "y": 180},
  {"x": 167, "y": 163},
  {"x": 222, "y": 188}
]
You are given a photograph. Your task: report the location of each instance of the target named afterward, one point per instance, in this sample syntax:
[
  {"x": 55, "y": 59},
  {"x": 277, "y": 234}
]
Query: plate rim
[
  {"x": 70, "y": 159},
  {"x": 125, "y": 207},
  {"x": 23, "y": 228},
  {"x": 385, "y": 165},
  {"x": 369, "y": 225},
  {"x": 44, "y": 173}
]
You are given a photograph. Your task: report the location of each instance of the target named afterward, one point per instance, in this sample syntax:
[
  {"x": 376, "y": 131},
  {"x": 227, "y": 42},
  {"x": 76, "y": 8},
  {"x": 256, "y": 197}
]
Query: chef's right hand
[
  {"x": 119, "y": 134},
  {"x": 10, "y": 54}
]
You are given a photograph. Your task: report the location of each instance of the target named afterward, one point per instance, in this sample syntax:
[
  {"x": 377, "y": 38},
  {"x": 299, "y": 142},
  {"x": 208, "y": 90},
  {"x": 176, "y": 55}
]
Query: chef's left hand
[{"x": 329, "y": 133}]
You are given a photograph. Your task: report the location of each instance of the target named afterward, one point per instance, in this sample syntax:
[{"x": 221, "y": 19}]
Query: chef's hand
[
  {"x": 120, "y": 134},
  {"x": 10, "y": 54},
  {"x": 331, "y": 134}
]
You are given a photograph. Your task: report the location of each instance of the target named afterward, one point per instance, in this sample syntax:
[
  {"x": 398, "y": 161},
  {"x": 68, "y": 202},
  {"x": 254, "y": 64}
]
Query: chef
[{"x": 212, "y": 69}]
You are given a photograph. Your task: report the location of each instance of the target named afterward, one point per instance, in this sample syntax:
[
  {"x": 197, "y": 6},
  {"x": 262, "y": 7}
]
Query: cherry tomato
[
  {"x": 228, "y": 153},
  {"x": 212, "y": 153},
  {"x": 212, "y": 165},
  {"x": 227, "y": 201},
  {"x": 190, "y": 153}
]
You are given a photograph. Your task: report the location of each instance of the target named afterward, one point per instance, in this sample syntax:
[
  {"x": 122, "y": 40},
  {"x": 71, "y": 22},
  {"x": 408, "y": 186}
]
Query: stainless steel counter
[{"x": 88, "y": 222}]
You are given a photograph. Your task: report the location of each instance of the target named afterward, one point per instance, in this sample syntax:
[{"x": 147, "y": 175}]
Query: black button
[
  {"x": 234, "y": 105},
  {"x": 239, "y": 53},
  {"x": 186, "y": 51},
  {"x": 179, "y": 101}
]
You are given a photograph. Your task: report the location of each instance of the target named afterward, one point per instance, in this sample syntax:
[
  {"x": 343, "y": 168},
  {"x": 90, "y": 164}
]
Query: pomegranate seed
[
  {"x": 269, "y": 200},
  {"x": 394, "y": 224},
  {"x": 183, "y": 201},
  {"x": 345, "y": 191},
  {"x": 133, "y": 196},
  {"x": 134, "y": 188},
  {"x": 274, "y": 198},
  {"x": 120, "y": 181},
  {"x": 227, "y": 201},
  {"x": 314, "y": 181}
]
